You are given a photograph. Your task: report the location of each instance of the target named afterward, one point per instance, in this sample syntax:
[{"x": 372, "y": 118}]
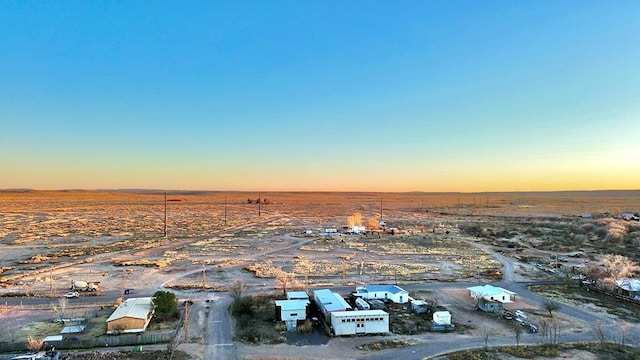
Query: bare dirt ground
[{"x": 48, "y": 239}]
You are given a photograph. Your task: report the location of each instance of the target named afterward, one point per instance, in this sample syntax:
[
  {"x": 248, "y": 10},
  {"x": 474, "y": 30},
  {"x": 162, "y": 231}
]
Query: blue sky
[{"x": 320, "y": 95}]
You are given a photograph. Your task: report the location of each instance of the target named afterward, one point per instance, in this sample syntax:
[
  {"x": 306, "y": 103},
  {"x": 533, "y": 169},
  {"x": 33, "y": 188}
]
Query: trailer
[{"x": 359, "y": 322}]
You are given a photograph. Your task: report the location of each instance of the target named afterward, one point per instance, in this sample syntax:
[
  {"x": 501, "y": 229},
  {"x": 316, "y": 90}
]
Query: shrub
[
  {"x": 305, "y": 328},
  {"x": 280, "y": 326},
  {"x": 166, "y": 305},
  {"x": 242, "y": 306}
]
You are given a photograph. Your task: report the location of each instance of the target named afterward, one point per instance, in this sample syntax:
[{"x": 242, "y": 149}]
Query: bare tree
[
  {"x": 598, "y": 331},
  {"x": 618, "y": 267},
  {"x": 60, "y": 309},
  {"x": 544, "y": 329},
  {"x": 624, "y": 332},
  {"x": 477, "y": 299},
  {"x": 285, "y": 280},
  {"x": 373, "y": 224},
  {"x": 517, "y": 331},
  {"x": 485, "y": 333},
  {"x": 594, "y": 272},
  {"x": 550, "y": 306},
  {"x": 354, "y": 220},
  {"x": 237, "y": 289},
  {"x": 554, "y": 337}
]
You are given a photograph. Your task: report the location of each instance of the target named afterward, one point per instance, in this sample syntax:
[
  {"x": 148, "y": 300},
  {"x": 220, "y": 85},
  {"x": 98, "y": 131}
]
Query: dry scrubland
[
  {"x": 79, "y": 232},
  {"x": 48, "y": 238}
]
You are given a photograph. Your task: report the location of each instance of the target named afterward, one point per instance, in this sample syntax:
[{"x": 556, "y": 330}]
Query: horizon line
[{"x": 153, "y": 190}]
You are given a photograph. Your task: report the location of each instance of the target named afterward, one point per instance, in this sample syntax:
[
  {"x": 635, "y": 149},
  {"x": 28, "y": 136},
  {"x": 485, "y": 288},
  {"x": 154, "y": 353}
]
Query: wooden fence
[{"x": 97, "y": 342}]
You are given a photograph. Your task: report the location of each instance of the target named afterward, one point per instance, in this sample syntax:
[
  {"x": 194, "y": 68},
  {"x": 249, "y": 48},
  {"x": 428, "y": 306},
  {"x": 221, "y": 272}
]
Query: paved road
[{"x": 219, "y": 337}]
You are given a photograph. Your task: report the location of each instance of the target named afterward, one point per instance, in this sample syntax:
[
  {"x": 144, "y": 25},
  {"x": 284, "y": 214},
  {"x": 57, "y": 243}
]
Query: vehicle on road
[
  {"x": 79, "y": 285},
  {"x": 72, "y": 295}
]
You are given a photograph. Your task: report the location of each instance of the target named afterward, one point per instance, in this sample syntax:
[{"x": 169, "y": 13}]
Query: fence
[
  {"x": 30, "y": 307},
  {"x": 97, "y": 342},
  {"x": 612, "y": 294}
]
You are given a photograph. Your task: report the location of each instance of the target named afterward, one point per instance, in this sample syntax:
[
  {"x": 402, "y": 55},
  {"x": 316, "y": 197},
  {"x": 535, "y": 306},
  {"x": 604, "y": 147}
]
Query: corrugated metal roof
[
  {"x": 629, "y": 284},
  {"x": 488, "y": 290},
  {"x": 292, "y": 304},
  {"x": 393, "y": 289},
  {"x": 137, "y": 308},
  {"x": 294, "y": 295},
  {"x": 72, "y": 329},
  {"x": 330, "y": 300},
  {"x": 53, "y": 338}
]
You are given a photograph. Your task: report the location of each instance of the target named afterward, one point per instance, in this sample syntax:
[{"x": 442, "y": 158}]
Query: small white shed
[
  {"x": 442, "y": 318},
  {"x": 419, "y": 306},
  {"x": 292, "y": 309}
]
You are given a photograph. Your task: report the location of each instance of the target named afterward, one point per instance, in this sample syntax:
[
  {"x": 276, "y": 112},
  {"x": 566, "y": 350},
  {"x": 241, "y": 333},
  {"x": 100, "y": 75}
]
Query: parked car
[
  {"x": 72, "y": 295},
  {"x": 520, "y": 314}
]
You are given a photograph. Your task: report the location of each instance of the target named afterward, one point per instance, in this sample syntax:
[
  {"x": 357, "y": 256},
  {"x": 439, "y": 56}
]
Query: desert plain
[{"x": 215, "y": 239}]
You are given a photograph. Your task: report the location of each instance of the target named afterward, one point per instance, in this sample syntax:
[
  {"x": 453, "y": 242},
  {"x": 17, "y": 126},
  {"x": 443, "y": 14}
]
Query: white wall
[
  {"x": 294, "y": 314},
  {"x": 360, "y": 322},
  {"x": 398, "y": 298}
]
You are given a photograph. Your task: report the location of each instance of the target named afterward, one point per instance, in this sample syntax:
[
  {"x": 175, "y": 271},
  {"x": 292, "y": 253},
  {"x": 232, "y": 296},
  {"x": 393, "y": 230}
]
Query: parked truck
[{"x": 79, "y": 285}]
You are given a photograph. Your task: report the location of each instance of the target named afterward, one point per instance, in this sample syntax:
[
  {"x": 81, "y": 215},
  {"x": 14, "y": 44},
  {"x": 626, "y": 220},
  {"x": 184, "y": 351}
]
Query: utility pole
[
  {"x": 186, "y": 321},
  {"x": 165, "y": 214},
  {"x": 225, "y": 210},
  {"x": 122, "y": 286},
  {"x": 259, "y": 201},
  {"x": 204, "y": 277},
  {"x": 51, "y": 283},
  {"x": 380, "y": 209}
]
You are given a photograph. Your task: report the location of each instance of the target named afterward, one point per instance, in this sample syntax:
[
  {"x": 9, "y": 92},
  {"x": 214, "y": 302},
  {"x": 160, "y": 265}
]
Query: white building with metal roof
[
  {"x": 132, "y": 316},
  {"x": 328, "y": 302},
  {"x": 383, "y": 292},
  {"x": 492, "y": 293}
]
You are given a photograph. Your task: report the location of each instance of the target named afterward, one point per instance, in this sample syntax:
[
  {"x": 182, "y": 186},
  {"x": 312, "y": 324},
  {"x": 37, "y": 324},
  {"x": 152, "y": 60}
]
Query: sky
[{"x": 327, "y": 95}]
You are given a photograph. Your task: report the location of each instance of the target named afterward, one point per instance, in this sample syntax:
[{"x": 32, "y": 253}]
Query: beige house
[{"x": 132, "y": 316}]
